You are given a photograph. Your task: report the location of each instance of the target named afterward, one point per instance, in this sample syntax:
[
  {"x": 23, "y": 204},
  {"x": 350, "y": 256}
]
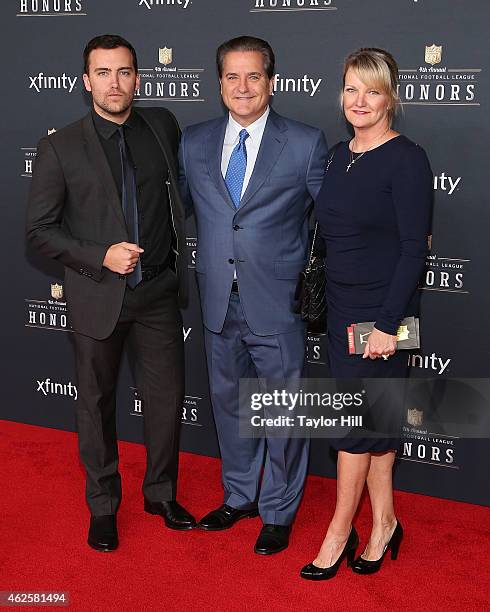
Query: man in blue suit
[{"x": 250, "y": 179}]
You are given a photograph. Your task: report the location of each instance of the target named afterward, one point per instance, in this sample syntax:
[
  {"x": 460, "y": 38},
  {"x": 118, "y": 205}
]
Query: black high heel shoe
[
  {"x": 312, "y": 572},
  {"x": 363, "y": 566}
]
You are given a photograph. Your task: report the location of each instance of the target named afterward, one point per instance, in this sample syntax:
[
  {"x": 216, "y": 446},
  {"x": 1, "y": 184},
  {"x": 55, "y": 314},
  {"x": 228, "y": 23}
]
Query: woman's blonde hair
[{"x": 375, "y": 67}]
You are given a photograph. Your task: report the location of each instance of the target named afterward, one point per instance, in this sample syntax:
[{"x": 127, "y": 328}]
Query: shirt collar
[
  {"x": 108, "y": 128},
  {"x": 254, "y": 130}
]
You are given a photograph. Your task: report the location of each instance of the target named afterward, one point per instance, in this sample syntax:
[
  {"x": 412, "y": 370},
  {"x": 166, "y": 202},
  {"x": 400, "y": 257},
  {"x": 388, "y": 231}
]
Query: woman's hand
[{"x": 379, "y": 344}]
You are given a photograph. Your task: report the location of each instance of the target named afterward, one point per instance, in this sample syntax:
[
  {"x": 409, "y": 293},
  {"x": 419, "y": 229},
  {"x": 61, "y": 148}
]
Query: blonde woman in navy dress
[{"x": 374, "y": 212}]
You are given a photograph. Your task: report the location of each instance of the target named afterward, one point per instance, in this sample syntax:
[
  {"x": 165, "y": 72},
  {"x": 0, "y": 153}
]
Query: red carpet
[{"x": 443, "y": 562}]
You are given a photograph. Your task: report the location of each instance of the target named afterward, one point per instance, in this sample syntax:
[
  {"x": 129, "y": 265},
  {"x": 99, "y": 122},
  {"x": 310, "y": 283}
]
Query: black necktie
[{"x": 129, "y": 204}]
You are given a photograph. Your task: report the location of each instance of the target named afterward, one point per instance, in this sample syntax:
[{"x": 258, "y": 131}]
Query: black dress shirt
[{"x": 155, "y": 235}]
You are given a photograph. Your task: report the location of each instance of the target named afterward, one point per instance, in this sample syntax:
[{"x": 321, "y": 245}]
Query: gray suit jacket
[{"x": 75, "y": 214}]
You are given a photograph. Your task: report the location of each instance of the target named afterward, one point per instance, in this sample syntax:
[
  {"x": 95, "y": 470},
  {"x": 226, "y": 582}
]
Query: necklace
[{"x": 354, "y": 159}]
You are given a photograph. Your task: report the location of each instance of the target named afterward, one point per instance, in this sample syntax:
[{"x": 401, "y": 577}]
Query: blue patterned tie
[{"x": 235, "y": 172}]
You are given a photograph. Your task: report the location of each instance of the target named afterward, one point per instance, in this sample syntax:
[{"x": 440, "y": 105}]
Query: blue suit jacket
[{"x": 266, "y": 238}]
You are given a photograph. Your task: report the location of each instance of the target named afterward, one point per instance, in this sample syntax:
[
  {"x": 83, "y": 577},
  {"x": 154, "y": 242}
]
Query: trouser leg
[
  {"x": 97, "y": 369},
  {"x": 242, "y": 458},
  {"x": 281, "y": 357},
  {"x": 160, "y": 382}
]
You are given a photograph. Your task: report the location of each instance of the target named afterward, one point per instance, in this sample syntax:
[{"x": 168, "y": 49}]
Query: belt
[
  {"x": 234, "y": 286},
  {"x": 150, "y": 272}
]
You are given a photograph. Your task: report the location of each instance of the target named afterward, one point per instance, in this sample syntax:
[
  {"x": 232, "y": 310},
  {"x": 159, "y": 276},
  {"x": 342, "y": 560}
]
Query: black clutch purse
[
  {"x": 310, "y": 297},
  {"x": 311, "y": 301}
]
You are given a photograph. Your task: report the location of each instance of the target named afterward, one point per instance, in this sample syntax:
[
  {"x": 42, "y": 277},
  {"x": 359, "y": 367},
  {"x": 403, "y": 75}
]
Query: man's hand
[
  {"x": 379, "y": 344},
  {"x": 122, "y": 257}
]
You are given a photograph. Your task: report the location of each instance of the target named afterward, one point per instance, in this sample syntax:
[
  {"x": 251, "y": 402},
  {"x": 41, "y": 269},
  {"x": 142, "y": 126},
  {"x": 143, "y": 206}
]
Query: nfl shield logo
[
  {"x": 57, "y": 291},
  {"x": 414, "y": 417},
  {"x": 433, "y": 54},
  {"x": 165, "y": 56},
  {"x": 403, "y": 333}
]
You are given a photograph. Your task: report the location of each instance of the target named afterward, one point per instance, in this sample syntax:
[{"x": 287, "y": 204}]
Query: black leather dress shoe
[
  {"x": 102, "y": 535},
  {"x": 173, "y": 514},
  {"x": 272, "y": 539},
  {"x": 225, "y": 517}
]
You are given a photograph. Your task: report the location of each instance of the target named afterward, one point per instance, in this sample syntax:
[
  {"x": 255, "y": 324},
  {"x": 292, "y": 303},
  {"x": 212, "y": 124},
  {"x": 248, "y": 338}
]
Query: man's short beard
[{"x": 121, "y": 111}]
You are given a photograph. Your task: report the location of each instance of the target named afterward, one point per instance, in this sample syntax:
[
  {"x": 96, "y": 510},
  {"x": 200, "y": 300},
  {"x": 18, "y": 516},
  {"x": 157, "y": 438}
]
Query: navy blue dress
[{"x": 374, "y": 220}]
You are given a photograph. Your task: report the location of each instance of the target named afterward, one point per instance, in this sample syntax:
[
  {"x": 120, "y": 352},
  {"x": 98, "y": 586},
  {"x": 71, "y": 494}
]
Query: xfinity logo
[
  {"x": 304, "y": 84},
  {"x": 151, "y": 3},
  {"x": 446, "y": 183},
  {"x": 427, "y": 362},
  {"x": 49, "y": 387},
  {"x": 41, "y": 81}
]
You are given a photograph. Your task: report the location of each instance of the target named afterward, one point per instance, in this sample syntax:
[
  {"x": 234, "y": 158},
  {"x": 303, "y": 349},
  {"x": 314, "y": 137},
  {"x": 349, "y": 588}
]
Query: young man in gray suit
[
  {"x": 250, "y": 178},
  {"x": 105, "y": 203}
]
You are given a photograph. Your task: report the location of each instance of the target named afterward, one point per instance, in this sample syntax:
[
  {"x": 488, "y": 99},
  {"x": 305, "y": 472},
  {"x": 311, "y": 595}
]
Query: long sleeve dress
[{"x": 374, "y": 220}]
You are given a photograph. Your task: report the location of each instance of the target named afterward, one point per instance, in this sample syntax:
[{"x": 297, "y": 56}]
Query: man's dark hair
[
  {"x": 247, "y": 43},
  {"x": 107, "y": 41}
]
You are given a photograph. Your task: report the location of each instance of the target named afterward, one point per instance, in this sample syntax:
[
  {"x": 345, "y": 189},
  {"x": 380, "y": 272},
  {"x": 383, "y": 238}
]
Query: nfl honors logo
[
  {"x": 414, "y": 417},
  {"x": 434, "y": 83},
  {"x": 403, "y": 333},
  {"x": 165, "y": 56},
  {"x": 49, "y": 314},
  {"x": 364, "y": 337},
  {"x": 57, "y": 291},
  {"x": 167, "y": 82},
  {"x": 433, "y": 54}
]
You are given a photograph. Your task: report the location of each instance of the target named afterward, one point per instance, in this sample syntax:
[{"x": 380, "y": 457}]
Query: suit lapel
[
  {"x": 98, "y": 160},
  {"x": 214, "y": 150},
  {"x": 273, "y": 141},
  {"x": 162, "y": 141}
]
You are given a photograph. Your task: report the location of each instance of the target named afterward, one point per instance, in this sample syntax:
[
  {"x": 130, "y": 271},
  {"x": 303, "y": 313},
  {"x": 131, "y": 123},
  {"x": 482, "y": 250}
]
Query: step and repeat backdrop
[{"x": 442, "y": 51}]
